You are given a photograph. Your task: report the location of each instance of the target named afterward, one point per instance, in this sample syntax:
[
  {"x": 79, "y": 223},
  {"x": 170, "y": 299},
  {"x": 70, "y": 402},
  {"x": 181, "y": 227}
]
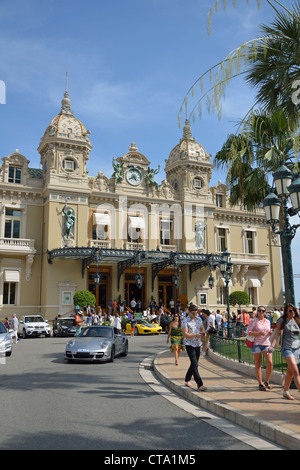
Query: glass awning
[{"x": 126, "y": 258}]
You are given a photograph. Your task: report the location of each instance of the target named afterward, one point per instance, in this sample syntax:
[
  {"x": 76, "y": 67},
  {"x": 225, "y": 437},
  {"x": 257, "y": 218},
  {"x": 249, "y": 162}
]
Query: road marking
[{"x": 258, "y": 443}]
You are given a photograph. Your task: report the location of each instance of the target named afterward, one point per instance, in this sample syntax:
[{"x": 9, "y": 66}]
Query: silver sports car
[{"x": 97, "y": 343}]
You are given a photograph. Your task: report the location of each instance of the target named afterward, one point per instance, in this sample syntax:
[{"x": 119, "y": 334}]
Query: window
[
  {"x": 252, "y": 291},
  {"x": 101, "y": 224},
  {"x": 9, "y": 293},
  {"x": 136, "y": 228},
  {"x": 14, "y": 174},
  {"x": 69, "y": 164},
  {"x": 249, "y": 237},
  {"x": 219, "y": 200},
  {"x": 12, "y": 223},
  {"x": 165, "y": 231},
  {"x": 198, "y": 183},
  {"x": 221, "y": 241}
]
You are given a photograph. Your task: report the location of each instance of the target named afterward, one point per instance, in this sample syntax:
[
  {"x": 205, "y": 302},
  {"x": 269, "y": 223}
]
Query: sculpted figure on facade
[
  {"x": 118, "y": 173},
  {"x": 150, "y": 176},
  {"x": 69, "y": 221},
  {"x": 199, "y": 234}
]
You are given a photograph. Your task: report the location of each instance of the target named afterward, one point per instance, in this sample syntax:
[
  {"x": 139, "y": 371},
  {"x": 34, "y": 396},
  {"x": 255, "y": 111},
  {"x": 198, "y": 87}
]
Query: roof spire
[
  {"x": 187, "y": 131},
  {"x": 66, "y": 102}
]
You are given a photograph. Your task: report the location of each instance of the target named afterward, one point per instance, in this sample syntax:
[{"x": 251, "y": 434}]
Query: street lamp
[
  {"x": 285, "y": 189},
  {"x": 226, "y": 268}
]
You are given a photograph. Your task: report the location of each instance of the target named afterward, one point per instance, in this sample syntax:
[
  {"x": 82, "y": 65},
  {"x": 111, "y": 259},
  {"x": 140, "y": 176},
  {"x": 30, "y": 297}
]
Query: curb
[{"x": 263, "y": 428}]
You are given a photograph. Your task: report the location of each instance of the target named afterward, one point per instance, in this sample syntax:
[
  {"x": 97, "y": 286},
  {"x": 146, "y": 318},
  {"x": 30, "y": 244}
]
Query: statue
[
  {"x": 199, "y": 234},
  {"x": 69, "y": 221},
  {"x": 118, "y": 171},
  {"x": 150, "y": 176}
]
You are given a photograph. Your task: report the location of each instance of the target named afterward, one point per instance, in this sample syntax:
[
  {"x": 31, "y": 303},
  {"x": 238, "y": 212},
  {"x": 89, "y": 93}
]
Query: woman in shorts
[
  {"x": 288, "y": 324},
  {"x": 260, "y": 329}
]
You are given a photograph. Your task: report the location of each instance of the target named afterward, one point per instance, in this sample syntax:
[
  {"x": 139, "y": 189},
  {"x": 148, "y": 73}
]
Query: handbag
[{"x": 250, "y": 339}]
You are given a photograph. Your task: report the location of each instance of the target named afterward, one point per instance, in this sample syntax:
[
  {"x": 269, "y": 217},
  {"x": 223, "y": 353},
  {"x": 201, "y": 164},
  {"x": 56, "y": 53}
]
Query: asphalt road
[{"x": 48, "y": 404}]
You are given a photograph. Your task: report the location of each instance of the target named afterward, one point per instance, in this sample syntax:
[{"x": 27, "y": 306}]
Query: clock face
[{"x": 134, "y": 176}]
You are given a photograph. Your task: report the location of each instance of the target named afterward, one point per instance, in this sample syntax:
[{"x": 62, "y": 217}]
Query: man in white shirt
[
  {"x": 193, "y": 330},
  {"x": 210, "y": 326}
]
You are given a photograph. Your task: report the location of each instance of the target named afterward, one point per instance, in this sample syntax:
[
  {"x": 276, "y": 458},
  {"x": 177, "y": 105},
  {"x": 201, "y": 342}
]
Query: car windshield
[
  {"x": 2, "y": 328},
  {"x": 144, "y": 322},
  {"x": 67, "y": 322},
  {"x": 97, "y": 332},
  {"x": 33, "y": 319}
]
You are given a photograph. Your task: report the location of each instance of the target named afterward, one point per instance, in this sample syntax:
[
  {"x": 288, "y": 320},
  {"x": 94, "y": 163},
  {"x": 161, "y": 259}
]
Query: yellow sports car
[{"x": 143, "y": 327}]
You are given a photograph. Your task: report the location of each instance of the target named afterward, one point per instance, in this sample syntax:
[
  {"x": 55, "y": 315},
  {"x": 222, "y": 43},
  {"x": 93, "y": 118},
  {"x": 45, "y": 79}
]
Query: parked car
[
  {"x": 143, "y": 327},
  {"x": 64, "y": 326},
  {"x": 5, "y": 341},
  {"x": 97, "y": 343},
  {"x": 33, "y": 325}
]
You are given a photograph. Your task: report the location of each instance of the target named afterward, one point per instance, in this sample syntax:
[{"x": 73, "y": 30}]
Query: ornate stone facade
[{"x": 122, "y": 226}]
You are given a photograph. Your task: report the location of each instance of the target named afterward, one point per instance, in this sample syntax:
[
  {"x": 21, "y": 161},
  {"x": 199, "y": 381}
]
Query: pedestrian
[
  {"x": 275, "y": 317},
  {"x": 133, "y": 305},
  {"x": 219, "y": 319},
  {"x": 192, "y": 330},
  {"x": 14, "y": 325},
  {"x": 288, "y": 324},
  {"x": 117, "y": 322},
  {"x": 246, "y": 320},
  {"x": 89, "y": 318},
  {"x": 209, "y": 326},
  {"x": 78, "y": 322},
  {"x": 175, "y": 333},
  {"x": 133, "y": 324},
  {"x": 6, "y": 323},
  {"x": 114, "y": 307},
  {"x": 95, "y": 319},
  {"x": 260, "y": 329}
]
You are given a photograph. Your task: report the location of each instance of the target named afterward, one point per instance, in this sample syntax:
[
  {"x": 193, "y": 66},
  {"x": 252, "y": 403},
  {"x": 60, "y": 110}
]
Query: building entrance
[
  {"x": 165, "y": 289},
  {"x": 132, "y": 291},
  {"x": 103, "y": 291}
]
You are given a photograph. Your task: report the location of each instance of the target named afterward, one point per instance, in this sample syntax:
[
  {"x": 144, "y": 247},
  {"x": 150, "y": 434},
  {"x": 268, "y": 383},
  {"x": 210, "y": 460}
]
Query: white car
[
  {"x": 5, "y": 341},
  {"x": 33, "y": 325}
]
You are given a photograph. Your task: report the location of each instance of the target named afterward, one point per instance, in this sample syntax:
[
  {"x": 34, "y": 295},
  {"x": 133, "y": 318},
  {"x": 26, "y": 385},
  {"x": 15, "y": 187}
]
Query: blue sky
[{"x": 130, "y": 64}]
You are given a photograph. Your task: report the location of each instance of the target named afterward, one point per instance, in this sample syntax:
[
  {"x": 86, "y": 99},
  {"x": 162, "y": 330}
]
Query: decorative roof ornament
[
  {"x": 66, "y": 102},
  {"x": 187, "y": 131}
]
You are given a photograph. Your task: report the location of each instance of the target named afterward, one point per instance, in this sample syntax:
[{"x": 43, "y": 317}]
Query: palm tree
[
  {"x": 250, "y": 157},
  {"x": 275, "y": 67},
  {"x": 270, "y": 62}
]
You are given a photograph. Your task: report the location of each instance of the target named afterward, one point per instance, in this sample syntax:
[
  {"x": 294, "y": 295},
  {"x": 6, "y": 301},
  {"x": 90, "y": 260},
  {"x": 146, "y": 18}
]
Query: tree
[
  {"x": 84, "y": 298},
  {"x": 239, "y": 298},
  {"x": 270, "y": 62},
  {"x": 249, "y": 158}
]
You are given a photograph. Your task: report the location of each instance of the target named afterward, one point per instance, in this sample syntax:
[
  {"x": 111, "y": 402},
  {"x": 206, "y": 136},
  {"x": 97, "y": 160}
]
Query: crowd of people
[{"x": 191, "y": 331}]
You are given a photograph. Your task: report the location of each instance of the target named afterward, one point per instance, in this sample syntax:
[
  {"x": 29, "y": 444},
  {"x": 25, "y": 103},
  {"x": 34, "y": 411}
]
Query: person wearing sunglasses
[
  {"x": 289, "y": 326},
  {"x": 260, "y": 329}
]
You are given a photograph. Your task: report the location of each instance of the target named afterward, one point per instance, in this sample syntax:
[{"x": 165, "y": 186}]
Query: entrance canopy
[{"x": 126, "y": 258}]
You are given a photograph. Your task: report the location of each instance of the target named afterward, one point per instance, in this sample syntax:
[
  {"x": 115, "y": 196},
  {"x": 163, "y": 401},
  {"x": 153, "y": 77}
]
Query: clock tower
[
  {"x": 65, "y": 148},
  {"x": 188, "y": 168}
]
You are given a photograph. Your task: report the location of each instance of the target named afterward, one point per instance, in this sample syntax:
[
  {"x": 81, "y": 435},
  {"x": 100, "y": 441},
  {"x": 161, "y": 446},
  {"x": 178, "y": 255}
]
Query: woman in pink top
[{"x": 260, "y": 329}]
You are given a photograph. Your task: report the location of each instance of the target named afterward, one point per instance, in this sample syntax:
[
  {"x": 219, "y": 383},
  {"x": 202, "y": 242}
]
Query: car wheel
[
  {"x": 8, "y": 353},
  {"x": 125, "y": 353},
  {"x": 136, "y": 331},
  {"x": 24, "y": 334},
  {"x": 112, "y": 354}
]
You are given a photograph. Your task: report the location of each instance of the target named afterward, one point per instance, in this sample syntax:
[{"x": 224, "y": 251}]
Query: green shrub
[
  {"x": 239, "y": 298},
  {"x": 84, "y": 298}
]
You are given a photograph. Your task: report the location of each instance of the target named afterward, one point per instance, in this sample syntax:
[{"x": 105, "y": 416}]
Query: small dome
[
  {"x": 187, "y": 149},
  {"x": 65, "y": 124}
]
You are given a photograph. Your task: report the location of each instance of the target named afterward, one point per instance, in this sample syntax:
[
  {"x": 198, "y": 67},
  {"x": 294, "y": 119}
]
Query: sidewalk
[{"x": 234, "y": 395}]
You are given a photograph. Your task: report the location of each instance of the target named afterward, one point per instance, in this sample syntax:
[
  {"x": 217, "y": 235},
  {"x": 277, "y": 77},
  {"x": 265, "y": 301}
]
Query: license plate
[{"x": 83, "y": 350}]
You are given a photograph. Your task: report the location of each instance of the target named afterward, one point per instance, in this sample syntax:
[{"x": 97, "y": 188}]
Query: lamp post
[
  {"x": 226, "y": 268},
  {"x": 285, "y": 189}
]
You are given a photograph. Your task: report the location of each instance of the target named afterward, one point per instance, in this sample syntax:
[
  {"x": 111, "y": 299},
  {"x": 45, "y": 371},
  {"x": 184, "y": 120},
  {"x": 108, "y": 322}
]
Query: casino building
[{"x": 126, "y": 236}]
